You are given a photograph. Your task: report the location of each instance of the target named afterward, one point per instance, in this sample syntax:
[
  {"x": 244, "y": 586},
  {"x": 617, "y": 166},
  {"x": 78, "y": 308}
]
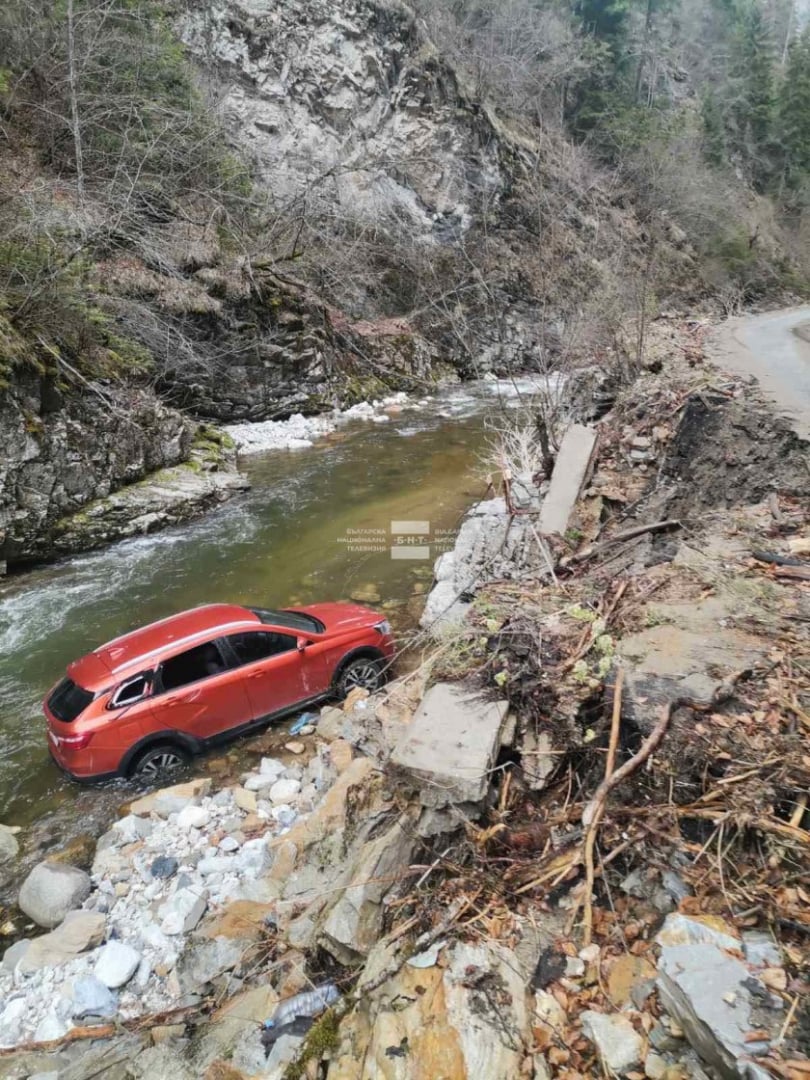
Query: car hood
[{"x": 340, "y": 617}]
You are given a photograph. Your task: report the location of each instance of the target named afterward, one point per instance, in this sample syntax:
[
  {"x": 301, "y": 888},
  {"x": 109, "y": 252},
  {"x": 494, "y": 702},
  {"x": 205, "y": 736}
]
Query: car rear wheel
[
  {"x": 157, "y": 761},
  {"x": 365, "y": 673}
]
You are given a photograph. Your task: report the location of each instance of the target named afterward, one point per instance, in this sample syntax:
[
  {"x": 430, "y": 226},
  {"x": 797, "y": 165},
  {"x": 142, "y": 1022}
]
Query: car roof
[{"x": 144, "y": 648}]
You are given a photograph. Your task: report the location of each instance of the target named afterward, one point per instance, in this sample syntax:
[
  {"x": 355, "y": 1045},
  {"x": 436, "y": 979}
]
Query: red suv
[{"x": 146, "y": 702}]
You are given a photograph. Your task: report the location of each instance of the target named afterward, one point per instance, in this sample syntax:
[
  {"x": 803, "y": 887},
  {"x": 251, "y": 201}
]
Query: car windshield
[
  {"x": 69, "y": 700},
  {"x": 293, "y": 620}
]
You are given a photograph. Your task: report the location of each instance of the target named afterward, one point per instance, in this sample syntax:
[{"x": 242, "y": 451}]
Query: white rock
[
  {"x": 216, "y": 864},
  {"x": 272, "y": 767},
  {"x": 193, "y": 817},
  {"x": 284, "y": 790},
  {"x": 182, "y": 912},
  {"x": 618, "y": 1044},
  {"x": 116, "y": 964},
  {"x": 11, "y": 1021},
  {"x": 254, "y": 857},
  {"x": 228, "y": 843},
  {"x": 51, "y": 1026}
]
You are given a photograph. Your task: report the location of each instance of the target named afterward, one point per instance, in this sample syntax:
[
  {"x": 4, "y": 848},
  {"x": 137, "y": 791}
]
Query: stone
[
  {"x": 132, "y": 828},
  {"x": 92, "y": 998},
  {"x": 283, "y": 791},
  {"x": 435, "y": 1022},
  {"x": 259, "y": 783},
  {"x": 698, "y": 930},
  {"x": 340, "y": 755},
  {"x": 451, "y": 745},
  {"x": 193, "y": 817},
  {"x": 655, "y": 1067},
  {"x": 165, "y": 1032},
  {"x": 626, "y": 972},
  {"x": 570, "y": 469},
  {"x": 354, "y": 922},
  {"x": 116, "y": 964},
  {"x": 245, "y": 800},
  {"x": 365, "y": 594},
  {"x": 14, "y": 953},
  {"x": 80, "y": 931},
  {"x": 617, "y": 1042},
  {"x": 253, "y": 857},
  {"x": 272, "y": 767},
  {"x": 51, "y": 890},
  {"x": 51, "y": 1026},
  {"x": 228, "y": 844},
  {"x": 331, "y": 722},
  {"x": 182, "y": 794},
  {"x": 761, "y": 949},
  {"x": 164, "y": 866},
  {"x": 242, "y": 919},
  {"x": 9, "y": 845},
  {"x": 537, "y": 758},
  {"x": 295, "y": 747},
  {"x": 706, "y": 992},
  {"x": 182, "y": 911},
  {"x": 11, "y": 1020}
]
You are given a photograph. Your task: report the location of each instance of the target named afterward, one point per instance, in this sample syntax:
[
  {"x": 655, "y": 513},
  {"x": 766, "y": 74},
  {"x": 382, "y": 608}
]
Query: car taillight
[
  {"x": 383, "y": 627},
  {"x": 75, "y": 742}
]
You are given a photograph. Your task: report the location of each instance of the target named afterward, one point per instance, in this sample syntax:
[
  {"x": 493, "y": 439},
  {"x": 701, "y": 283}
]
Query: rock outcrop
[{"x": 80, "y": 470}]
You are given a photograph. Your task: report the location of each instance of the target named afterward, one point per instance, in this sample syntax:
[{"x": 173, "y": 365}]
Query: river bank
[{"x": 572, "y": 839}]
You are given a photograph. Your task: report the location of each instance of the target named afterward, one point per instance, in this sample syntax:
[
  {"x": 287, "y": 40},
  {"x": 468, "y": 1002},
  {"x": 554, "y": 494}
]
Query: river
[{"x": 301, "y": 534}]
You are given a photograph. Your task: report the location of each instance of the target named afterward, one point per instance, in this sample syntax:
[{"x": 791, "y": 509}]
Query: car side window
[
  {"x": 191, "y": 666},
  {"x": 132, "y": 690},
  {"x": 259, "y": 645}
]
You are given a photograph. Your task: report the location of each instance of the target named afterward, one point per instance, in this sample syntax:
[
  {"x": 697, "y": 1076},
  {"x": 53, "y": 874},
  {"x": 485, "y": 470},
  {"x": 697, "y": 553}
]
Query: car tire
[
  {"x": 158, "y": 761},
  {"x": 364, "y": 672}
]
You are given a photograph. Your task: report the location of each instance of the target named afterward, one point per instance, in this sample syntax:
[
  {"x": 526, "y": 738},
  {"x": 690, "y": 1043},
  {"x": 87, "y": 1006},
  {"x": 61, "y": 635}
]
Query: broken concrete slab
[
  {"x": 570, "y": 469},
  {"x": 451, "y": 745},
  {"x": 707, "y": 991}
]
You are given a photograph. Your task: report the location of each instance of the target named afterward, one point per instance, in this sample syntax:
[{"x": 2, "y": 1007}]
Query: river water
[{"x": 316, "y": 525}]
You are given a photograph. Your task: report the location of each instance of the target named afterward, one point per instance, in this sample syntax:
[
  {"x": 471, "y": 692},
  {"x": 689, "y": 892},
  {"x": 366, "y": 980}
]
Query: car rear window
[
  {"x": 69, "y": 700},
  {"x": 293, "y": 620}
]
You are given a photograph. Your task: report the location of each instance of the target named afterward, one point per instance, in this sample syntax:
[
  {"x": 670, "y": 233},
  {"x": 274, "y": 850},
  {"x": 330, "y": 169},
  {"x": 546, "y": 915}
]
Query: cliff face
[
  {"x": 80, "y": 470},
  {"x": 405, "y": 230}
]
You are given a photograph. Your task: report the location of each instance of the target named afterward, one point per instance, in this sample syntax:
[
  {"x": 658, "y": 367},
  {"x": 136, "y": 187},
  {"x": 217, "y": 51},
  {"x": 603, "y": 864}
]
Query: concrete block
[
  {"x": 451, "y": 745},
  {"x": 570, "y": 470}
]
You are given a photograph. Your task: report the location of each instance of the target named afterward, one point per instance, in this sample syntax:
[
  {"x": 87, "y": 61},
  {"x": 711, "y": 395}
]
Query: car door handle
[
  {"x": 256, "y": 675},
  {"x": 171, "y": 700}
]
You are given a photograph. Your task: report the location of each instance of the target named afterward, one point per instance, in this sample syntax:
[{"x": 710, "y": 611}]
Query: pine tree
[
  {"x": 751, "y": 110},
  {"x": 714, "y": 131},
  {"x": 794, "y": 111}
]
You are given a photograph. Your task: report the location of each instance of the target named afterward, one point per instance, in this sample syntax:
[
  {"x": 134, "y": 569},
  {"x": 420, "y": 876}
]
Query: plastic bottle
[{"x": 308, "y": 1003}]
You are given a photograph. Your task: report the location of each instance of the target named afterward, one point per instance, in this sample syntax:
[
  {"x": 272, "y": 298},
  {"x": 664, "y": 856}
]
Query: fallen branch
[
  {"x": 626, "y": 534},
  {"x": 107, "y": 1031},
  {"x": 593, "y": 825}
]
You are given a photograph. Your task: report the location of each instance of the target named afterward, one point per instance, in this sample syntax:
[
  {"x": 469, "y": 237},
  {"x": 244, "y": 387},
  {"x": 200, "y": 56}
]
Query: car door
[
  {"x": 276, "y": 672},
  {"x": 198, "y": 692}
]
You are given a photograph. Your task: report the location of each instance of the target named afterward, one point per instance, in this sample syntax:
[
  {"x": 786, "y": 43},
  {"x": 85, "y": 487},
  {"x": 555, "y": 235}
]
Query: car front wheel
[
  {"x": 158, "y": 761},
  {"x": 364, "y": 673}
]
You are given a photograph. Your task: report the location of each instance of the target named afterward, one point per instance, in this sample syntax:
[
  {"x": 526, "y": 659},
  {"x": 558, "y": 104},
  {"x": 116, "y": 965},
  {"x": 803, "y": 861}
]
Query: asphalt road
[{"x": 775, "y": 349}]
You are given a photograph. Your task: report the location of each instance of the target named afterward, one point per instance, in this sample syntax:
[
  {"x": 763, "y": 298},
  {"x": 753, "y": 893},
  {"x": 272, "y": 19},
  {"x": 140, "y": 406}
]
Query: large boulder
[{"x": 51, "y": 890}]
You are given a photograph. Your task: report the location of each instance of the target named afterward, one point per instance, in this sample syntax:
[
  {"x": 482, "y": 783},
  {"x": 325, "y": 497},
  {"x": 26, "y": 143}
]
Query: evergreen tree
[
  {"x": 751, "y": 107},
  {"x": 714, "y": 132},
  {"x": 794, "y": 111}
]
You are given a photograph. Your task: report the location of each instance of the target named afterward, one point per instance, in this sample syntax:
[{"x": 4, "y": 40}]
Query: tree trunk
[{"x": 74, "y": 102}]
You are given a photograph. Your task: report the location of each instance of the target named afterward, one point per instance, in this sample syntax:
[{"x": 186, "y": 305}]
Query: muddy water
[{"x": 317, "y": 525}]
